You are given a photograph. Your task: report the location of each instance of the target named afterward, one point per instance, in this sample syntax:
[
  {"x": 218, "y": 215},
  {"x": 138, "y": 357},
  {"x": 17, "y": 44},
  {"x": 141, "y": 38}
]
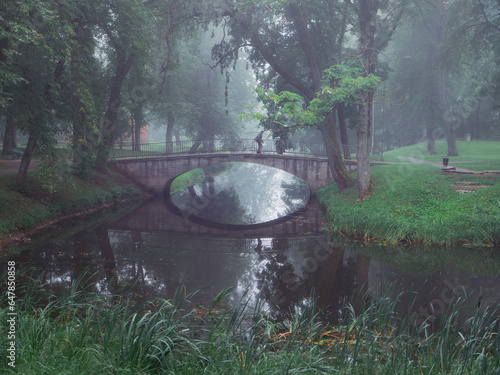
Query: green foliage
[
  {"x": 341, "y": 84},
  {"x": 19, "y": 25},
  {"x": 54, "y": 168},
  {"x": 34, "y": 204},
  {"x": 415, "y": 204},
  {"x": 189, "y": 178}
]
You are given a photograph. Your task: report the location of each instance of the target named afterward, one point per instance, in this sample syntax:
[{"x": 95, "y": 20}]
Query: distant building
[{"x": 143, "y": 140}]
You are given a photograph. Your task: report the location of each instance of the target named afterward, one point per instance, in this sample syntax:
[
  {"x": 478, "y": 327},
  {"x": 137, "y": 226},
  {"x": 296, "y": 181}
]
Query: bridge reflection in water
[{"x": 161, "y": 254}]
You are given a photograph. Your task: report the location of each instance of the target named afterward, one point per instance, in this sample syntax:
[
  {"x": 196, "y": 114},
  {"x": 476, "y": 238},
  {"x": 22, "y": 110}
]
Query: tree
[
  {"x": 122, "y": 25},
  {"x": 285, "y": 44},
  {"x": 442, "y": 65},
  {"x": 20, "y": 25},
  {"x": 35, "y": 62},
  {"x": 374, "y": 36}
]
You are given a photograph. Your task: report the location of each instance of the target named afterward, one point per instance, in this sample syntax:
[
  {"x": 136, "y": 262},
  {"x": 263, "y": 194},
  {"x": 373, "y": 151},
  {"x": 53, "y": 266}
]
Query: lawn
[
  {"x": 475, "y": 155},
  {"x": 414, "y": 203}
]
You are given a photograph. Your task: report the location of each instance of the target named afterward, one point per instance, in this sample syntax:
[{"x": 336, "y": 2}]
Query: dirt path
[
  {"x": 12, "y": 166},
  {"x": 439, "y": 165}
]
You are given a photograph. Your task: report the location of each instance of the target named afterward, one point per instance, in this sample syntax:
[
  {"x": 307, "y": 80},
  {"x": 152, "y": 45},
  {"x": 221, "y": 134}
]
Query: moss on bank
[
  {"x": 415, "y": 204},
  {"x": 23, "y": 210}
]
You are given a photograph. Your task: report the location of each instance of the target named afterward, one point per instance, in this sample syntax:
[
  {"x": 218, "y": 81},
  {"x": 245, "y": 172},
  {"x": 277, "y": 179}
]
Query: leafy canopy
[{"x": 341, "y": 84}]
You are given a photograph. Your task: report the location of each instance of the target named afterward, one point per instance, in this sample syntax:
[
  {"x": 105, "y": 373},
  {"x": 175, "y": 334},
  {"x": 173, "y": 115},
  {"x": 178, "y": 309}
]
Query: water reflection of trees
[
  {"x": 226, "y": 207},
  {"x": 246, "y": 194},
  {"x": 324, "y": 274},
  {"x": 285, "y": 269},
  {"x": 293, "y": 195}
]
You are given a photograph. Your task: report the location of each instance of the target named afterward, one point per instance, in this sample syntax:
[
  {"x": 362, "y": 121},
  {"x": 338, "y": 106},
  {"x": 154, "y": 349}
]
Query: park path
[
  {"x": 439, "y": 165},
  {"x": 12, "y": 166}
]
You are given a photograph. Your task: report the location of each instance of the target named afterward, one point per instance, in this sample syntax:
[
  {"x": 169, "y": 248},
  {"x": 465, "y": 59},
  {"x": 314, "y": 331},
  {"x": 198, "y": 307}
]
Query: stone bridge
[{"x": 153, "y": 173}]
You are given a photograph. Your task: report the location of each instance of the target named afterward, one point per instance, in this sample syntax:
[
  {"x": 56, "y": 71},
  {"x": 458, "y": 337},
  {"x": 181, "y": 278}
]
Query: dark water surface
[{"x": 164, "y": 253}]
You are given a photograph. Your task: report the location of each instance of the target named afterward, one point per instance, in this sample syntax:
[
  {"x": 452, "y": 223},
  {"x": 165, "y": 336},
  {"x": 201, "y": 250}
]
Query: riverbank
[
  {"x": 418, "y": 204},
  {"x": 32, "y": 209}
]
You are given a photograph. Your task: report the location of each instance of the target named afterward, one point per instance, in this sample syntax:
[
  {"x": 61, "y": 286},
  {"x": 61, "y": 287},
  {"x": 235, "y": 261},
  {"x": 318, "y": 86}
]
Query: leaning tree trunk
[
  {"x": 195, "y": 146},
  {"x": 339, "y": 172},
  {"x": 26, "y": 159},
  {"x": 328, "y": 127},
  {"x": 123, "y": 65}
]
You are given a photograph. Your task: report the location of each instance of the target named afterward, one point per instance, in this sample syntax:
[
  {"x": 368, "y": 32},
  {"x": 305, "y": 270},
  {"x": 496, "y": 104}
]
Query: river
[{"x": 150, "y": 252}]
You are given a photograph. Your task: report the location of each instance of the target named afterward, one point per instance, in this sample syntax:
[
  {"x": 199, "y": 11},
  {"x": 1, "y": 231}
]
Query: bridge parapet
[
  {"x": 154, "y": 172},
  {"x": 214, "y": 146}
]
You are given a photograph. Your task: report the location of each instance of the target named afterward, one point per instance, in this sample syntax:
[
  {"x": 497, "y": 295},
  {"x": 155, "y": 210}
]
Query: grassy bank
[
  {"x": 82, "y": 333},
  {"x": 415, "y": 204},
  {"x": 22, "y": 211}
]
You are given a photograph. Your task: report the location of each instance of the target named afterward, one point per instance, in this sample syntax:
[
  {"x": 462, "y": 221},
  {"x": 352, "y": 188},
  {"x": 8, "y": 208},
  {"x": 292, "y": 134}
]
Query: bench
[{"x": 16, "y": 154}]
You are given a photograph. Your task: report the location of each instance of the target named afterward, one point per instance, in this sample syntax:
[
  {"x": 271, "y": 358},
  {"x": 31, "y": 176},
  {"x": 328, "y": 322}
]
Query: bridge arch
[{"x": 153, "y": 173}]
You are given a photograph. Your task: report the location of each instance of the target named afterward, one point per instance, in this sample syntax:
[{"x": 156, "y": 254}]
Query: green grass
[
  {"x": 83, "y": 333},
  {"x": 484, "y": 151},
  {"x": 25, "y": 209},
  {"x": 189, "y": 178},
  {"x": 415, "y": 204}
]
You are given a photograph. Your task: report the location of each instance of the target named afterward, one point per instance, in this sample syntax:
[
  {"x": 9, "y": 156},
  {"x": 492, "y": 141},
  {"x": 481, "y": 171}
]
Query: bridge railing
[{"x": 125, "y": 151}]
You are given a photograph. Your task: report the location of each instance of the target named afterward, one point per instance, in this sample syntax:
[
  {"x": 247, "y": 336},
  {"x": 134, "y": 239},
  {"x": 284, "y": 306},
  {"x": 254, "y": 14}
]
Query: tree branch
[
  {"x": 486, "y": 17},
  {"x": 356, "y": 9},
  {"x": 269, "y": 57}
]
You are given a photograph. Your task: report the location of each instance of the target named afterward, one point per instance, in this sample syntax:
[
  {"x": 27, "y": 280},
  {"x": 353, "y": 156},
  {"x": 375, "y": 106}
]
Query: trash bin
[{"x": 445, "y": 162}]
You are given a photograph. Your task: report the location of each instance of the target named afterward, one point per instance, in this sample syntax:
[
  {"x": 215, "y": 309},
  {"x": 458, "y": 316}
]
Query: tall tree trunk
[
  {"x": 344, "y": 139},
  {"x": 364, "y": 145},
  {"x": 367, "y": 13},
  {"x": 138, "y": 122},
  {"x": 446, "y": 112},
  {"x": 431, "y": 103},
  {"x": 170, "y": 133},
  {"x": 431, "y": 141},
  {"x": 123, "y": 65},
  {"x": 328, "y": 129},
  {"x": 170, "y": 119},
  {"x": 9, "y": 138},
  {"x": 82, "y": 105},
  {"x": 35, "y": 128},
  {"x": 26, "y": 159}
]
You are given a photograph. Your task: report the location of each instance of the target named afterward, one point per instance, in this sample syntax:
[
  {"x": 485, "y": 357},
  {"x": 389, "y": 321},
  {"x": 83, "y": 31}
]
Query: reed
[{"x": 83, "y": 333}]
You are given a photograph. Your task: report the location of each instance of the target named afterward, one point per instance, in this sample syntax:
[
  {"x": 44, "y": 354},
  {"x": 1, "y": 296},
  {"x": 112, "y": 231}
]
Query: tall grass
[{"x": 82, "y": 333}]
